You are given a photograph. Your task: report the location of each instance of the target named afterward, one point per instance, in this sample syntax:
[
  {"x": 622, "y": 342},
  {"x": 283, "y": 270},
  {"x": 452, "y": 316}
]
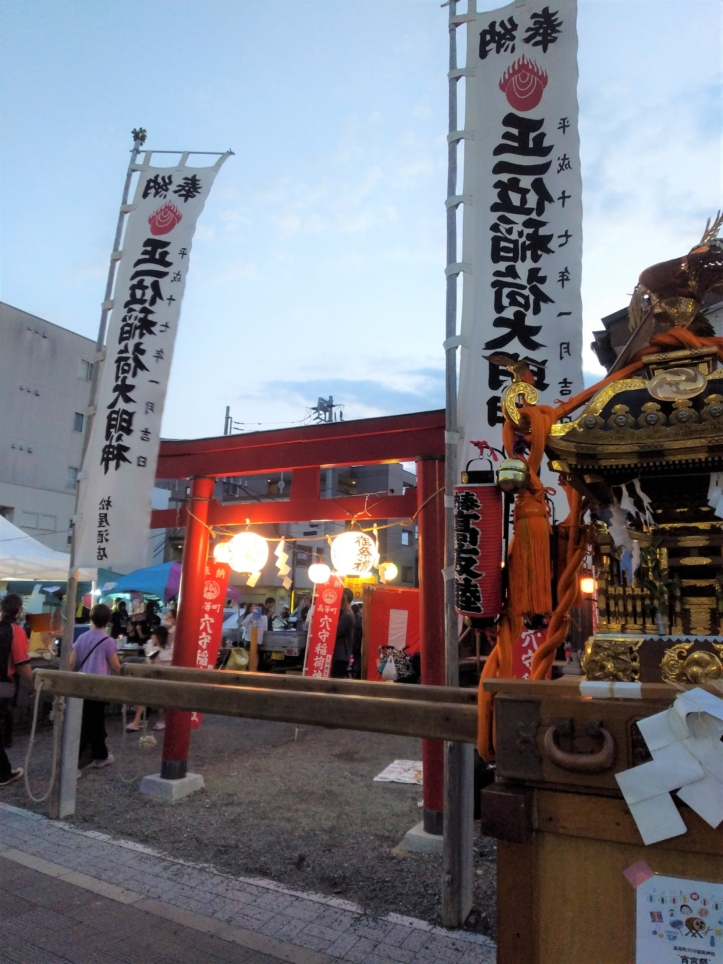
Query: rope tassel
[{"x": 529, "y": 559}]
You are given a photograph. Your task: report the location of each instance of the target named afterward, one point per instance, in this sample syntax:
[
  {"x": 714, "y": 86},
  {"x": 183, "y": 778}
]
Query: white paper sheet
[
  {"x": 658, "y": 819},
  {"x": 706, "y": 798},
  {"x": 671, "y": 767}
]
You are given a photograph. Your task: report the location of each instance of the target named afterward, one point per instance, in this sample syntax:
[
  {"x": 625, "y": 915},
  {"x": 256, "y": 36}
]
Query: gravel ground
[{"x": 303, "y": 812}]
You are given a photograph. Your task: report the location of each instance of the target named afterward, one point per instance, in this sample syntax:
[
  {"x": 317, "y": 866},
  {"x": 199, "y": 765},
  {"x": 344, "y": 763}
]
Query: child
[{"x": 162, "y": 653}]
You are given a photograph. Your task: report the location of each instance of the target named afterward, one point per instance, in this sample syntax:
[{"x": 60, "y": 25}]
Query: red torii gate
[{"x": 304, "y": 452}]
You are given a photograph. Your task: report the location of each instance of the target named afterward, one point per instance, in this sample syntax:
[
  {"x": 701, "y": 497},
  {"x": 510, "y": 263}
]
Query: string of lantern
[{"x": 353, "y": 552}]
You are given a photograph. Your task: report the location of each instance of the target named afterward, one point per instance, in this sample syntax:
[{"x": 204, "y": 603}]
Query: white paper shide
[
  {"x": 685, "y": 743},
  {"x": 522, "y": 241},
  {"x": 119, "y": 469}
]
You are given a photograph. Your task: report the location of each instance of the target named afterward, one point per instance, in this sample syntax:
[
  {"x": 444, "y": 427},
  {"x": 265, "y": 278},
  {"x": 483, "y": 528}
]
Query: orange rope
[{"x": 540, "y": 419}]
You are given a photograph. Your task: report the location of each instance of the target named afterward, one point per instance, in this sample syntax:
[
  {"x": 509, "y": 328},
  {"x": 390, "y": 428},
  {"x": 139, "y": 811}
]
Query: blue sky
[{"x": 318, "y": 263}]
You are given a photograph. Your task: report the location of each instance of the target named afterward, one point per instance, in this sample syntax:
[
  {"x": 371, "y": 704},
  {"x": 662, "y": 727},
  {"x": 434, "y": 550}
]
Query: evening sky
[{"x": 318, "y": 263}]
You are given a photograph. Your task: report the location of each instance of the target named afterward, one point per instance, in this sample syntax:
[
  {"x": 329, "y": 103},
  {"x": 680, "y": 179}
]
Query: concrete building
[{"x": 45, "y": 374}]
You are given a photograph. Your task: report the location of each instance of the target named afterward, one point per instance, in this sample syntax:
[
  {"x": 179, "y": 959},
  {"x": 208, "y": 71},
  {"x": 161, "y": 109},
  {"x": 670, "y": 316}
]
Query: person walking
[
  {"x": 161, "y": 653},
  {"x": 356, "y": 667},
  {"x": 95, "y": 652},
  {"x": 343, "y": 644},
  {"x": 14, "y": 661}
]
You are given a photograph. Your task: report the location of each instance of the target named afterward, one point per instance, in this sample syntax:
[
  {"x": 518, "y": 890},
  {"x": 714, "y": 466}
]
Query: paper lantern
[
  {"x": 477, "y": 550},
  {"x": 222, "y": 552},
  {"x": 587, "y": 585},
  {"x": 248, "y": 552},
  {"x": 388, "y": 571},
  {"x": 319, "y": 572},
  {"x": 354, "y": 554}
]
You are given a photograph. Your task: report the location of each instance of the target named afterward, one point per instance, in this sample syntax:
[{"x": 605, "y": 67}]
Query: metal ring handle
[{"x": 581, "y": 762}]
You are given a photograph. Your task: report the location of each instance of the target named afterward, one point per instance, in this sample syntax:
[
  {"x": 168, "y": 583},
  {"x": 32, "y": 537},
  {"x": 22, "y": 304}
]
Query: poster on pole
[
  {"x": 322, "y": 629},
  {"x": 215, "y": 588},
  {"x": 522, "y": 202},
  {"x": 118, "y": 472}
]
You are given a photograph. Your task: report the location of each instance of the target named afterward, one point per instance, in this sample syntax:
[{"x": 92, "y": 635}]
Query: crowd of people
[{"x": 96, "y": 651}]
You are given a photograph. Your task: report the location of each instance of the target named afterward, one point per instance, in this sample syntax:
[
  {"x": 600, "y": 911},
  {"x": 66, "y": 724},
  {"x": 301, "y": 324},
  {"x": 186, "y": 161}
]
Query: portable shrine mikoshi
[{"x": 640, "y": 457}]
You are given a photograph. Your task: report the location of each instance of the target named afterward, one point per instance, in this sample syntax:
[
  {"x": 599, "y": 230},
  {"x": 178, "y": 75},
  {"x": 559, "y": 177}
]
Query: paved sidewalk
[{"x": 152, "y": 908}]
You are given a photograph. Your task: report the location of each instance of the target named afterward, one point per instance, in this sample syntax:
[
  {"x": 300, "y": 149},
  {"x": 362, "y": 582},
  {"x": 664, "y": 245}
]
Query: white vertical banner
[
  {"x": 522, "y": 236},
  {"x": 118, "y": 473}
]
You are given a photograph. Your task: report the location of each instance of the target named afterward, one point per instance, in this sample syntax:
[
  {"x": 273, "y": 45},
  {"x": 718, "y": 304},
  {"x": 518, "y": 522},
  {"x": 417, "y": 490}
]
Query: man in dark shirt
[{"x": 344, "y": 638}]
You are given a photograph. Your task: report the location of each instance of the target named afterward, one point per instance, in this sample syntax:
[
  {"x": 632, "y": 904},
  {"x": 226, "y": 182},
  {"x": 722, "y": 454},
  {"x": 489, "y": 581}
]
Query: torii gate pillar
[{"x": 177, "y": 737}]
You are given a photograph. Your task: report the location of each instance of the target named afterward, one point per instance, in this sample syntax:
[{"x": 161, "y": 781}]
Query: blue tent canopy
[{"x": 161, "y": 581}]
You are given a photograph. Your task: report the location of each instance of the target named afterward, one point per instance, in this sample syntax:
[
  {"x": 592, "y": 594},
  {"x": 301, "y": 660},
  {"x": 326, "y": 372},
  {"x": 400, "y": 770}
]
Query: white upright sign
[
  {"x": 522, "y": 247},
  {"x": 119, "y": 469}
]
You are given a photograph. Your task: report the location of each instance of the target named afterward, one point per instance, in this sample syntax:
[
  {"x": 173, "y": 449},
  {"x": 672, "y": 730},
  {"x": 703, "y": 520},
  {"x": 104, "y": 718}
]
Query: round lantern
[
  {"x": 248, "y": 552},
  {"x": 388, "y": 571},
  {"x": 319, "y": 572},
  {"x": 354, "y": 554},
  {"x": 222, "y": 552}
]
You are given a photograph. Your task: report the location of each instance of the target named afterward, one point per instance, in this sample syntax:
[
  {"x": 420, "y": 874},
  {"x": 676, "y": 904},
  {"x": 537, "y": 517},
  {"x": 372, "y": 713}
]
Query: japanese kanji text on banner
[
  {"x": 119, "y": 468},
  {"x": 522, "y": 247},
  {"x": 322, "y": 631},
  {"x": 215, "y": 587}
]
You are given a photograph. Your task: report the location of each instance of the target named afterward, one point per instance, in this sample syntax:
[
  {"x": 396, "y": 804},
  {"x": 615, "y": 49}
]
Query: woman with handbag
[{"x": 95, "y": 652}]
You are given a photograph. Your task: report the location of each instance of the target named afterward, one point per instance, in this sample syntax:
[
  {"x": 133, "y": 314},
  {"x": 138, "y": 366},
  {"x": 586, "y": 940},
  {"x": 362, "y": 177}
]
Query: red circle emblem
[
  {"x": 164, "y": 219},
  {"x": 523, "y": 84}
]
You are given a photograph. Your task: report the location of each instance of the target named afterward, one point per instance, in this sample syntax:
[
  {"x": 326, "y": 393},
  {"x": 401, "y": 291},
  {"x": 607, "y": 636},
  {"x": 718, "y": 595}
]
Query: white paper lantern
[
  {"x": 222, "y": 552},
  {"x": 388, "y": 571},
  {"x": 354, "y": 554},
  {"x": 319, "y": 572},
  {"x": 248, "y": 552}
]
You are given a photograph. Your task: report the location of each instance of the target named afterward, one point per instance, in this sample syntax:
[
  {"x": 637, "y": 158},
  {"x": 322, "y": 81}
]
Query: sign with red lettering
[
  {"x": 215, "y": 587},
  {"x": 322, "y": 631},
  {"x": 524, "y": 648}
]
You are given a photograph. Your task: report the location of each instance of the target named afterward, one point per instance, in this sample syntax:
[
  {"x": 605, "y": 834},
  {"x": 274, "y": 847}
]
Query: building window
[
  {"x": 72, "y": 480},
  {"x": 304, "y": 556},
  {"x": 405, "y": 537},
  {"x": 78, "y": 422},
  {"x": 85, "y": 370},
  {"x": 407, "y": 573},
  {"x": 29, "y": 520},
  {"x": 47, "y": 522}
]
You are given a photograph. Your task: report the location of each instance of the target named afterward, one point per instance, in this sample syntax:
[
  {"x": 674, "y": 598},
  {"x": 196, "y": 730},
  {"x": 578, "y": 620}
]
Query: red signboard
[
  {"x": 215, "y": 586},
  {"x": 393, "y": 622},
  {"x": 524, "y": 648},
  {"x": 322, "y": 631}
]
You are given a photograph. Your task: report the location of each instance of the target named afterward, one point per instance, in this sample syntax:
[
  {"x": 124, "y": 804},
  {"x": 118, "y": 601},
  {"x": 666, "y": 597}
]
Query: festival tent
[
  {"x": 161, "y": 581},
  {"x": 24, "y": 558}
]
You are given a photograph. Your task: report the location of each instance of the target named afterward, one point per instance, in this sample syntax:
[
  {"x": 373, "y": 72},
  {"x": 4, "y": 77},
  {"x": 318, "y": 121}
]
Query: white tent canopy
[{"x": 22, "y": 557}]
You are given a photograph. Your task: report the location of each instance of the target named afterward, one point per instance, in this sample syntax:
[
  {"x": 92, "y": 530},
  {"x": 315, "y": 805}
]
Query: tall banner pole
[
  {"x": 136, "y": 338},
  {"x": 458, "y": 826},
  {"x": 62, "y": 798}
]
